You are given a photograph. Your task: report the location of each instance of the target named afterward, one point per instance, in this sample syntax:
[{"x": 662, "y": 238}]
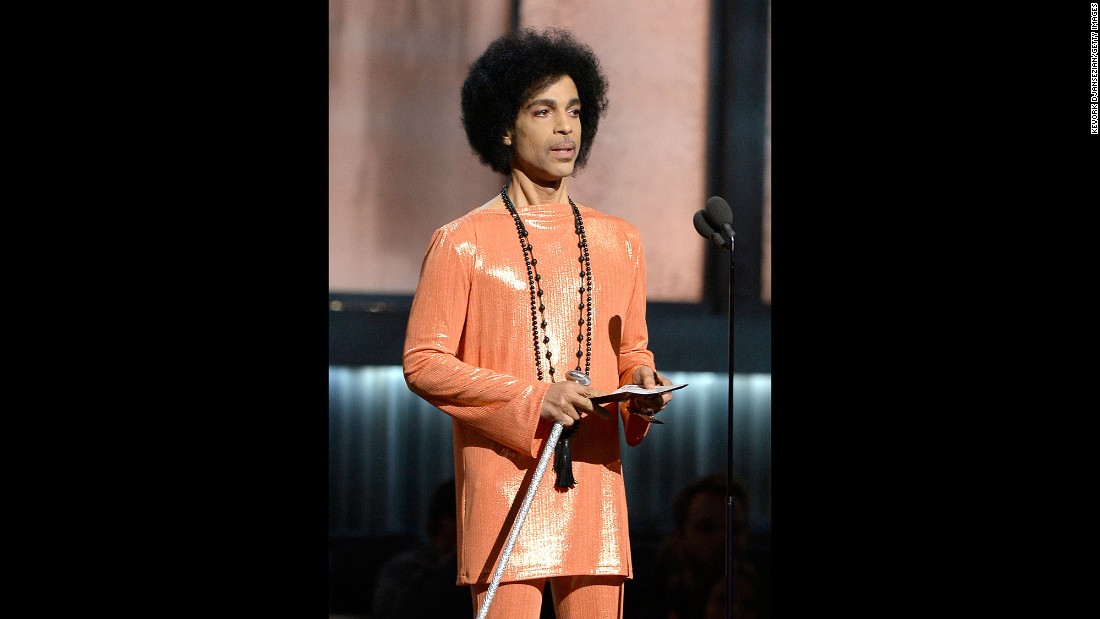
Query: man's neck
[{"x": 523, "y": 191}]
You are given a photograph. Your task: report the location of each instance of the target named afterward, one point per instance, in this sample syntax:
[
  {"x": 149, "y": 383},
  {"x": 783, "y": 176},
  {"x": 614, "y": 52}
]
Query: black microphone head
[
  {"x": 701, "y": 225},
  {"x": 718, "y": 211}
]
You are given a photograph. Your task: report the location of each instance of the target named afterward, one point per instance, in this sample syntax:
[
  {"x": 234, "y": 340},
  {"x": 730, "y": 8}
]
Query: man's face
[{"x": 547, "y": 134}]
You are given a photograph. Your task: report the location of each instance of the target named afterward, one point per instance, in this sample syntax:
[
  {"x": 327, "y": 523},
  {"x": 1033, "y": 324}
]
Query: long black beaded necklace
[{"x": 563, "y": 464}]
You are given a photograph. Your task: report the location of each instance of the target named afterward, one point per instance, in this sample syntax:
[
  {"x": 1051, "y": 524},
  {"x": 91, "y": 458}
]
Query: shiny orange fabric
[{"x": 469, "y": 352}]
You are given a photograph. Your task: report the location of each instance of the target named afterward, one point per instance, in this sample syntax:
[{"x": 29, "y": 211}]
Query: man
[
  {"x": 687, "y": 578},
  {"x": 521, "y": 302}
]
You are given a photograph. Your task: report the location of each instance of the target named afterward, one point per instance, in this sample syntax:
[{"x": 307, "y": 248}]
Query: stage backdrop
[{"x": 400, "y": 166}]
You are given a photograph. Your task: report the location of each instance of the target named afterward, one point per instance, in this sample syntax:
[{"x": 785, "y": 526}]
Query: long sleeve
[
  {"x": 634, "y": 346},
  {"x": 501, "y": 406}
]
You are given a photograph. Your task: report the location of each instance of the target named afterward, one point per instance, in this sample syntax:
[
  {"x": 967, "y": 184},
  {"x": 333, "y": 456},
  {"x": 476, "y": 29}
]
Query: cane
[{"x": 547, "y": 449}]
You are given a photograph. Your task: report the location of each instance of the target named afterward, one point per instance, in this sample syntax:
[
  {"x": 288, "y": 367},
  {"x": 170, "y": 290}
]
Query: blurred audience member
[
  {"x": 687, "y": 579},
  {"x": 422, "y": 582}
]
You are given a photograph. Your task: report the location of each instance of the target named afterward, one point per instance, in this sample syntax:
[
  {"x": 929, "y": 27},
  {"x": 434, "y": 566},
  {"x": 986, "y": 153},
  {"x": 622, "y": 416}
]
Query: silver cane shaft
[{"x": 547, "y": 450}]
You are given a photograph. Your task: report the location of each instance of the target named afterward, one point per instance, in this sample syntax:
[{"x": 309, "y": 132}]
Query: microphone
[
  {"x": 704, "y": 229},
  {"x": 714, "y": 222},
  {"x": 721, "y": 215}
]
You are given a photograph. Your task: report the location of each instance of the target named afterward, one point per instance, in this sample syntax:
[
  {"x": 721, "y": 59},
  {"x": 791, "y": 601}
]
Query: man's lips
[{"x": 563, "y": 150}]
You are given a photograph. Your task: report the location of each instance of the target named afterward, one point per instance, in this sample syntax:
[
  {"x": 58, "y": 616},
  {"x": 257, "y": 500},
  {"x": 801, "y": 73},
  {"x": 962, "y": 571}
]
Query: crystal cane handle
[{"x": 578, "y": 377}]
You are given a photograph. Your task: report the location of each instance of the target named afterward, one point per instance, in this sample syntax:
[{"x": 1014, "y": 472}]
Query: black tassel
[{"x": 563, "y": 460}]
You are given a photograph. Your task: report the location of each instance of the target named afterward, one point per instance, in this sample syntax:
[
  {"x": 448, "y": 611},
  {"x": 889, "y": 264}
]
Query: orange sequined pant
[{"x": 575, "y": 597}]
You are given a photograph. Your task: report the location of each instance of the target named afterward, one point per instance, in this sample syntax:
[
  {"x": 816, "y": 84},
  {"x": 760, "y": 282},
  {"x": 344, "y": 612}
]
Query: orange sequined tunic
[{"x": 469, "y": 352}]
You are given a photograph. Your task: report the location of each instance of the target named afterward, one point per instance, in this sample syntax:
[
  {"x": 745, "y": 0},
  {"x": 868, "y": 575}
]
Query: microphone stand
[
  {"x": 729, "y": 449},
  {"x": 705, "y": 222}
]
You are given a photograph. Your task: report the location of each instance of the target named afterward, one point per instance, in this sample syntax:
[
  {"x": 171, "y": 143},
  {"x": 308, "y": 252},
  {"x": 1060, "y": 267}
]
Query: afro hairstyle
[{"x": 512, "y": 69}]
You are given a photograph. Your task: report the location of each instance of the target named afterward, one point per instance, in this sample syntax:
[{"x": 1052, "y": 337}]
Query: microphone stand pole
[
  {"x": 706, "y": 223},
  {"x": 729, "y": 454}
]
